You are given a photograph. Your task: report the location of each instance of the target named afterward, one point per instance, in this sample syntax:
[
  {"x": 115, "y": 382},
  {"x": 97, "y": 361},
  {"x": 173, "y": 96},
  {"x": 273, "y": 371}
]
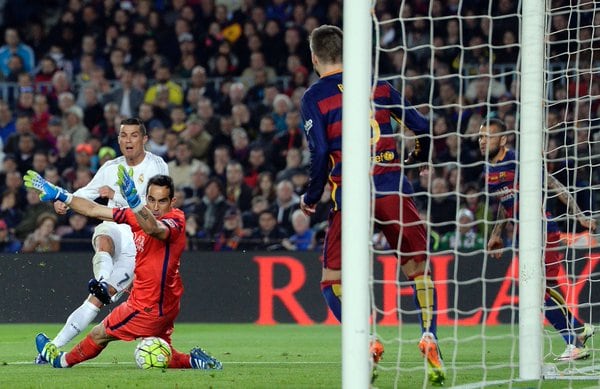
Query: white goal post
[{"x": 483, "y": 304}]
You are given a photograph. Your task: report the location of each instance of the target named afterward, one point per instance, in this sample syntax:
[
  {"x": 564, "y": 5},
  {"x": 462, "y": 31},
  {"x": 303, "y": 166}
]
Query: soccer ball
[{"x": 152, "y": 353}]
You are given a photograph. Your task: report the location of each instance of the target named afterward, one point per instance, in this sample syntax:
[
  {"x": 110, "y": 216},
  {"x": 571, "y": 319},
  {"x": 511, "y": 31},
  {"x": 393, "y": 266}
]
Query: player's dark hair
[
  {"x": 135, "y": 122},
  {"x": 164, "y": 181},
  {"x": 326, "y": 43},
  {"x": 488, "y": 122}
]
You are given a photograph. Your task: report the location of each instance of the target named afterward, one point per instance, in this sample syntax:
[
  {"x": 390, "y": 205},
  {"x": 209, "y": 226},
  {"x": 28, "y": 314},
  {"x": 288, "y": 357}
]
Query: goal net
[{"x": 459, "y": 63}]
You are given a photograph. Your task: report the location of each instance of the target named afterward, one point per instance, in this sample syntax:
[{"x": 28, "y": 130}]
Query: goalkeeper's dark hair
[
  {"x": 326, "y": 43},
  {"x": 164, "y": 181},
  {"x": 135, "y": 122},
  {"x": 493, "y": 121}
]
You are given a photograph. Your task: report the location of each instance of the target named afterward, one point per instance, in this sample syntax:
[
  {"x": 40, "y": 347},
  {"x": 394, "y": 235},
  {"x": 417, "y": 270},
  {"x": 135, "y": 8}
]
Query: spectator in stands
[
  {"x": 40, "y": 161},
  {"x": 236, "y": 190},
  {"x": 181, "y": 168},
  {"x": 443, "y": 207},
  {"x": 25, "y": 150},
  {"x": 257, "y": 63},
  {"x": 157, "y": 134},
  {"x": 33, "y": 208},
  {"x": 163, "y": 83},
  {"x": 286, "y": 202},
  {"x": 41, "y": 117},
  {"x": 10, "y": 209},
  {"x": 208, "y": 215},
  {"x": 105, "y": 154},
  {"x": 465, "y": 239},
  {"x": 268, "y": 235},
  {"x": 250, "y": 217},
  {"x": 7, "y": 122},
  {"x": 43, "y": 238},
  {"x": 79, "y": 236},
  {"x": 105, "y": 128},
  {"x": 206, "y": 112},
  {"x": 292, "y": 138},
  {"x": 178, "y": 119},
  {"x": 243, "y": 118},
  {"x": 74, "y": 127},
  {"x": 240, "y": 142},
  {"x": 126, "y": 96},
  {"x": 282, "y": 104},
  {"x": 258, "y": 162},
  {"x": 13, "y": 46},
  {"x": 93, "y": 110},
  {"x": 198, "y": 81},
  {"x": 194, "y": 188},
  {"x": 65, "y": 155},
  {"x": 293, "y": 165},
  {"x": 8, "y": 243},
  {"x": 232, "y": 236},
  {"x": 265, "y": 186},
  {"x": 198, "y": 138},
  {"x": 303, "y": 237}
]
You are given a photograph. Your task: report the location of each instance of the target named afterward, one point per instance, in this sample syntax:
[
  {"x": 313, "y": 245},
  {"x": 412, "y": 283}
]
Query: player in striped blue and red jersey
[
  {"x": 501, "y": 182},
  {"x": 153, "y": 305},
  {"x": 321, "y": 109}
]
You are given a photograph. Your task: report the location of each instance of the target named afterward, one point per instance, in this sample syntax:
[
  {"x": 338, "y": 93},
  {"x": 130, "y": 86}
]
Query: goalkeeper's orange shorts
[
  {"x": 127, "y": 323},
  {"x": 407, "y": 231}
]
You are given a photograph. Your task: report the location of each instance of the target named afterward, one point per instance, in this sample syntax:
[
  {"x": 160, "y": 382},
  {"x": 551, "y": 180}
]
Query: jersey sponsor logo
[
  {"x": 384, "y": 156},
  {"x": 141, "y": 178},
  {"x": 308, "y": 125}
]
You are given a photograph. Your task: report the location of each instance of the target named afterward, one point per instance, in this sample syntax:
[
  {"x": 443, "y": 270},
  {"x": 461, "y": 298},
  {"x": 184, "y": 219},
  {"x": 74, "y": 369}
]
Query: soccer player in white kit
[{"x": 114, "y": 258}]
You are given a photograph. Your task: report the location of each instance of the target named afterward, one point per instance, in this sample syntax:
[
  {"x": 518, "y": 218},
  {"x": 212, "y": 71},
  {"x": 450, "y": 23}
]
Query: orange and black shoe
[
  {"x": 430, "y": 350},
  {"x": 376, "y": 351}
]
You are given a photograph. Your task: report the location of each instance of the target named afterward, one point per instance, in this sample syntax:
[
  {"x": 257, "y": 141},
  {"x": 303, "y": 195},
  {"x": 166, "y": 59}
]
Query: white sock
[
  {"x": 102, "y": 264},
  {"x": 76, "y": 322}
]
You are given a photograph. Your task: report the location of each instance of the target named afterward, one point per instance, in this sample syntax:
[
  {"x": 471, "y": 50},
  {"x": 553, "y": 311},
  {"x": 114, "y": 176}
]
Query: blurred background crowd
[{"x": 218, "y": 85}]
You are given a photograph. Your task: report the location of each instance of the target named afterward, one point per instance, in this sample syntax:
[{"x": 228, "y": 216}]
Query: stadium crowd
[{"x": 218, "y": 85}]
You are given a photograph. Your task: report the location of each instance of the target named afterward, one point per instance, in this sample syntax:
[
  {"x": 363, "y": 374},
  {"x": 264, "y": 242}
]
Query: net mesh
[{"x": 459, "y": 63}]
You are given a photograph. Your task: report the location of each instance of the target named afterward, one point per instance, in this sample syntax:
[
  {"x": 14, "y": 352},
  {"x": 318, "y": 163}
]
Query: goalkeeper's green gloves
[
  {"x": 128, "y": 190},
  {"x": 47, "y": 191}
]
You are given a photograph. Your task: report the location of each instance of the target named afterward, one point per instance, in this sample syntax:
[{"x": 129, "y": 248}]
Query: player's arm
[
  {"x": 150, "y": 225},
  {"x": 495, "y": 242},
  {"x": 412, "y": 123},
  {"x": 90, "y": 208},
  {"x": 315, "y": 129},
  {"x": 567, "y": 199}
]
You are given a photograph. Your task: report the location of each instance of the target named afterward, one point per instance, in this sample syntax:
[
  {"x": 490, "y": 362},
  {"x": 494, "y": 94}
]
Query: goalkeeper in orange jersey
[
  {"x": 500, "y": 177},
  {"x": 153, "y": 305},
  {"x": 399, "y": 219}
]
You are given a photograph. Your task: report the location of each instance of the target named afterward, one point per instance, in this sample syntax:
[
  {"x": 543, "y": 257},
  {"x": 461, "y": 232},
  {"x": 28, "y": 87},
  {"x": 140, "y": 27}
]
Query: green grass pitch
[{"x": 281, "y": 356}]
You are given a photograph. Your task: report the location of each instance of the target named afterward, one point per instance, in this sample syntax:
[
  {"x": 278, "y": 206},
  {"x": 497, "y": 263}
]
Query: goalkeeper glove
[
  {"x": 125, "y": 182},
  {"x": 47, "y": 191}
]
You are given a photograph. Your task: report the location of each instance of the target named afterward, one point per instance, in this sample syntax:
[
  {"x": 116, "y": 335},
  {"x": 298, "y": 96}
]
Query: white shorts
[{"x": 121, "y": 275}]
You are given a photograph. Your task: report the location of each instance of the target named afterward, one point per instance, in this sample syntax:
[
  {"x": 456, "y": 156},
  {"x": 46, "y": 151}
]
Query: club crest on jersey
[
  {"x": 308, "y": 125},
  {"x": 139, "y": 241}
]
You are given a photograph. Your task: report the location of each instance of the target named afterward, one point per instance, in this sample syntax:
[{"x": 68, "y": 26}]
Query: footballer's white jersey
[
  {"x": 107, "y": 176},
  {"x": 119, "y": 271}
]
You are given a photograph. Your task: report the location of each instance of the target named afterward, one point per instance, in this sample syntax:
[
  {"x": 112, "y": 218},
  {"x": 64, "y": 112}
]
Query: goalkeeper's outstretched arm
[{"x": 91, "y": 209}]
